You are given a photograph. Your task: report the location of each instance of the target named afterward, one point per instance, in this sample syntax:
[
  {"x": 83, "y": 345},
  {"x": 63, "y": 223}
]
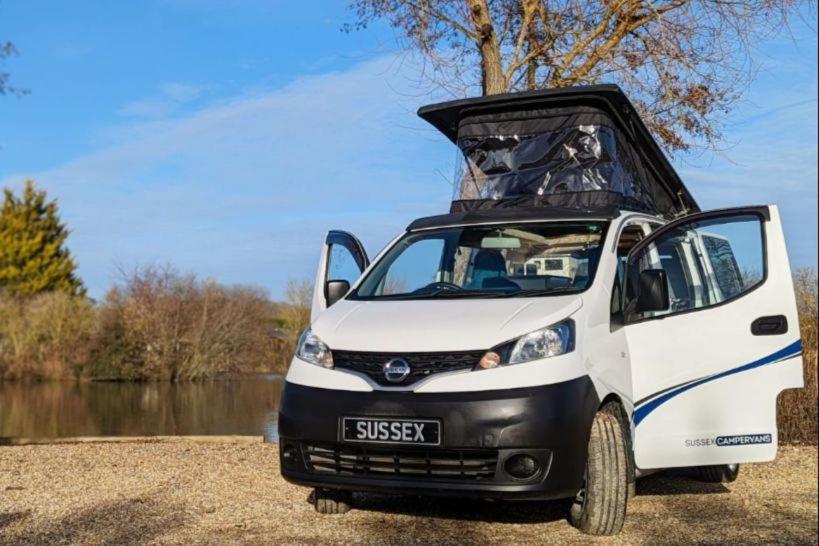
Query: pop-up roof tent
[{"x": 578, "y": 147}]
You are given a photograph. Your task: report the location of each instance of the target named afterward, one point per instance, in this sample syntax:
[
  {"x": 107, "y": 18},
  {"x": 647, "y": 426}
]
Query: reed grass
[{"x": 797, "y": 408}]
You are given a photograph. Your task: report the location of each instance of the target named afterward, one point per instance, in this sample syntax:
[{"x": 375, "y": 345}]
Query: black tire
[
  {"x": 329, "y": 501},
  {"x": 721, "y": 473},
  {"x": 600, "y": 506}
]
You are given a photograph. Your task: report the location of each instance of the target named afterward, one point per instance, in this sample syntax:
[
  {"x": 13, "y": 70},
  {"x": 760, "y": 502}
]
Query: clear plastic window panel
[{"x": 574, "y": 159}]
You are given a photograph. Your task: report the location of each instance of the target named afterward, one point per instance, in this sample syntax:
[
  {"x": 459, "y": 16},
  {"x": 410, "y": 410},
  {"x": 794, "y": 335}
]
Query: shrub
[
  {"x": 154, "y": 325},
  {"x": 157, "y": 324},
  {"x": 45, "y": 336},
  {"x": 797, "y": 409},
  {"x": 292, "y": 317}
]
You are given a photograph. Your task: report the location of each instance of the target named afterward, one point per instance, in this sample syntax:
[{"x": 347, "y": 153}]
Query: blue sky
[{"x": 225, "y": 137}]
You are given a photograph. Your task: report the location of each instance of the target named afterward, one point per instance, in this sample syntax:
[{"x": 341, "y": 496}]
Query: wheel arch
[{"x": 614, "y": 400}]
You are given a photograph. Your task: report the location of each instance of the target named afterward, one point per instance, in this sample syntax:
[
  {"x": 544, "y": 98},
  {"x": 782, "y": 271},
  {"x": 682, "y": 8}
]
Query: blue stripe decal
[{"x": 790, "y": 351}]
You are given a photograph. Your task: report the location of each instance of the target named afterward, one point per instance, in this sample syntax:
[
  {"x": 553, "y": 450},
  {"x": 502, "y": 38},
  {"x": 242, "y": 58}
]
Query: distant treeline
[
  {"x": 159, "y": 325},
  {"x": 154, "y": 325}
]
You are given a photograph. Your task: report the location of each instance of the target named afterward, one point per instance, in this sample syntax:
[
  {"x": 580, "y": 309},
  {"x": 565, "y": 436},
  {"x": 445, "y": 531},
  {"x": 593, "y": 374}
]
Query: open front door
[
  {"x": 343, "y": 258},
  {"x": 713, "y": 337}
]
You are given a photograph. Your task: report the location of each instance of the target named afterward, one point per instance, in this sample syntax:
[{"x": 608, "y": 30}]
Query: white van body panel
[
  {"x": 684, "y": 380},
  {"x": 605, "y": 349},
  {"x": 310, "y": 375},
  {"x": 531, "y": 374},
  {"x": 438, "y": 325},
  {"x": 418, "y": 326},
  {"x": 701, "y": 376},
  {"x": 319, "y": 304}
]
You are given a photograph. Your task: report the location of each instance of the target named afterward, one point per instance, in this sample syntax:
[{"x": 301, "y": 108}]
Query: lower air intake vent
[{"x": 410, "y": 463}]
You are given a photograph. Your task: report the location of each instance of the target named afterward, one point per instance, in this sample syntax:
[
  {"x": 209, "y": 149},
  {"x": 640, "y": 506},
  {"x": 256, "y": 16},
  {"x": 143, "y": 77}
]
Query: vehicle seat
[
  {"x": 499, "y": 283},
  {"x": 489, "y": 271}
]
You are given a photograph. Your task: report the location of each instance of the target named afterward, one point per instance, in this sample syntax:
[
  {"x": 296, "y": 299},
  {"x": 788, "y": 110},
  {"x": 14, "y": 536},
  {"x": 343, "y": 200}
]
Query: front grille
[
  {"x": 422, "y": 364},
  {"x": 344, "y": 460}
]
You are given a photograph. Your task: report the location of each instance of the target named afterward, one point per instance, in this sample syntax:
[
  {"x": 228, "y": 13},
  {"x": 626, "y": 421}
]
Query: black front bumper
[{"x": 551, "y": 423}]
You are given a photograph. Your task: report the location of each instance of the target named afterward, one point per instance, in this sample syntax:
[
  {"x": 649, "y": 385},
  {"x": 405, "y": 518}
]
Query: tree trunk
[
  {"x": 494, "y": 81},
  {"x": 531, "y": 75},
  {"x": 529, "y": 10}
]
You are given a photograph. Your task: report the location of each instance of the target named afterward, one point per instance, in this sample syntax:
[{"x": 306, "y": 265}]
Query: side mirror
[
  {"x": 335, "y": 290},
  {"x": 653, "y": 291}
]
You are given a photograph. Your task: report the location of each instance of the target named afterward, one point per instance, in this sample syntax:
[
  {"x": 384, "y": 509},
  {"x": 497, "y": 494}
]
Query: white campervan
[{"x": 573, "y": 323}]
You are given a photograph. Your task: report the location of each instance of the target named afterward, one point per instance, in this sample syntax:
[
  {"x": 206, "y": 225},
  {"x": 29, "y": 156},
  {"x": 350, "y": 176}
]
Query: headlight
[
  {"x": 553, "y": 340},
  {"x": 313, "y": 350}
]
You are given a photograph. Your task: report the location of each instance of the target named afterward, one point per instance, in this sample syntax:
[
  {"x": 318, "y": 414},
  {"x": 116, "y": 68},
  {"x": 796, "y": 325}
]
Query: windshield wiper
[
  {"x": 467, "y": 293},
  {"x": 453, "y": 294},
  {"x": 448, "y": 293},
  {"x": 542, "y": 291},
  {"x": 444, "y": 293}
]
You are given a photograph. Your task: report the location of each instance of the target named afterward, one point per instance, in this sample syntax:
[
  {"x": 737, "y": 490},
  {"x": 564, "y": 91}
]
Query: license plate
[{"x": 426, "y": 432}]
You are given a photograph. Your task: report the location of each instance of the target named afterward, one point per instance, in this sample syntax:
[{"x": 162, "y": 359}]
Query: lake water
[{"x": 247, "y": 406}]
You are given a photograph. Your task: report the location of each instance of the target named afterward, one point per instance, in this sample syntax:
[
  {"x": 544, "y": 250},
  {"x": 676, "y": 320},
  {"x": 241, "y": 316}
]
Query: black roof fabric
[
  {"x": 511, "y": 214},
  {"x": 534, "y": 111}
]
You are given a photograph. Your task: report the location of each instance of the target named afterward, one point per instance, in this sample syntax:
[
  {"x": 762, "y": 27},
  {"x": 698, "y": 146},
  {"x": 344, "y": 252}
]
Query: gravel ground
[{"x": 217, "y": 492}]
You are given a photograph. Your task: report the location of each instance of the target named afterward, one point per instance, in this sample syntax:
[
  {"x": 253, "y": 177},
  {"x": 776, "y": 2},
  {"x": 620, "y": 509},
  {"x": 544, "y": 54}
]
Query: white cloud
[
  {"x": 772, "y": 161},
  {"x": 147, "y": 108},
  {"x": 243, "y": 190},
  {"x": 171, "y": 97},
  {"x": 181, "y": 92}
]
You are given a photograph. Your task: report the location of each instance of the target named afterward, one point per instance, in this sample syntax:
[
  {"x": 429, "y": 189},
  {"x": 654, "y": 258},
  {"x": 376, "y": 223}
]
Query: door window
[
  {"x": 706, "y": 262},
  {"x": 629, "y": 237},
  {"x": 341, "y": 265},
  {"x": 343, "y": 258}
]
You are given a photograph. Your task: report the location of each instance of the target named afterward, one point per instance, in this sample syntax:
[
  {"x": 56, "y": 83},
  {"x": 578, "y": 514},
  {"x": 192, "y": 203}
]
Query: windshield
[{"x": 487, "y": 261}]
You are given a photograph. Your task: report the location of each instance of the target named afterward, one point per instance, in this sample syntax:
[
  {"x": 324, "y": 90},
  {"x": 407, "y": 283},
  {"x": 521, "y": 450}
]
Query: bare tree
[
  {"x": 158, "y": 324},
  {"x": 296, "y": 312},
  {"x": 7, "y": 50},
  {"x": 683, "y": 62}
]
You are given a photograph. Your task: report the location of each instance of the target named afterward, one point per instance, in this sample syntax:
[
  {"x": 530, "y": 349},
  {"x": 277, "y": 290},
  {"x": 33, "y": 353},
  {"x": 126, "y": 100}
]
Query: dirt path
[{"x": 207, "y": 492}]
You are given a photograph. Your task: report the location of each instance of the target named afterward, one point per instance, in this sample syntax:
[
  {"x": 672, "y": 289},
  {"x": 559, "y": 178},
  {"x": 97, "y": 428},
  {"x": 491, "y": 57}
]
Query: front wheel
[
  {"x": 600, "y": 506},
  {"x": 330, "y": 501},
  {"x": 721, "y": 473}
]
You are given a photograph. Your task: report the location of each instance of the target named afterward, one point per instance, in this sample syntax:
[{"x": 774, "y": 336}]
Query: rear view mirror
[
  {"x": 653, "y": 291},
  {"x": 500, "y": 242},
  {"x": 335, "y": 290}
]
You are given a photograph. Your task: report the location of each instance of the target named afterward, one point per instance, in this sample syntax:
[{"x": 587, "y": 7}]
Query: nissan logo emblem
[{"x": 396, "y": 370}]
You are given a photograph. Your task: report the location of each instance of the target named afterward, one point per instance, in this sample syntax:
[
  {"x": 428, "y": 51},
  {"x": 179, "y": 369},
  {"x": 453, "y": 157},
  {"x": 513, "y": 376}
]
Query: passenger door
[
  {"x": 708, "y": 363},
  {"x": 343, "y": 258}
]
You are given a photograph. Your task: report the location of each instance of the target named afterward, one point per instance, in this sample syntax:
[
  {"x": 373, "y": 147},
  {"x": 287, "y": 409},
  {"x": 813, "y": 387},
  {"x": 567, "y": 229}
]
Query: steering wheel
[{"x": 439, "y": 285}]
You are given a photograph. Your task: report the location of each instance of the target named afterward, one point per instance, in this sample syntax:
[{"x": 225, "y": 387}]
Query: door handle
[{"x": 775, "y": 325}]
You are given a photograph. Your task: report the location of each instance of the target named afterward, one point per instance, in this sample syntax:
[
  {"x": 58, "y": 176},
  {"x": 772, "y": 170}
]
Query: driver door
[
  {"x": 343, "y": 258},
  {"x": 717, "y": 341}
]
